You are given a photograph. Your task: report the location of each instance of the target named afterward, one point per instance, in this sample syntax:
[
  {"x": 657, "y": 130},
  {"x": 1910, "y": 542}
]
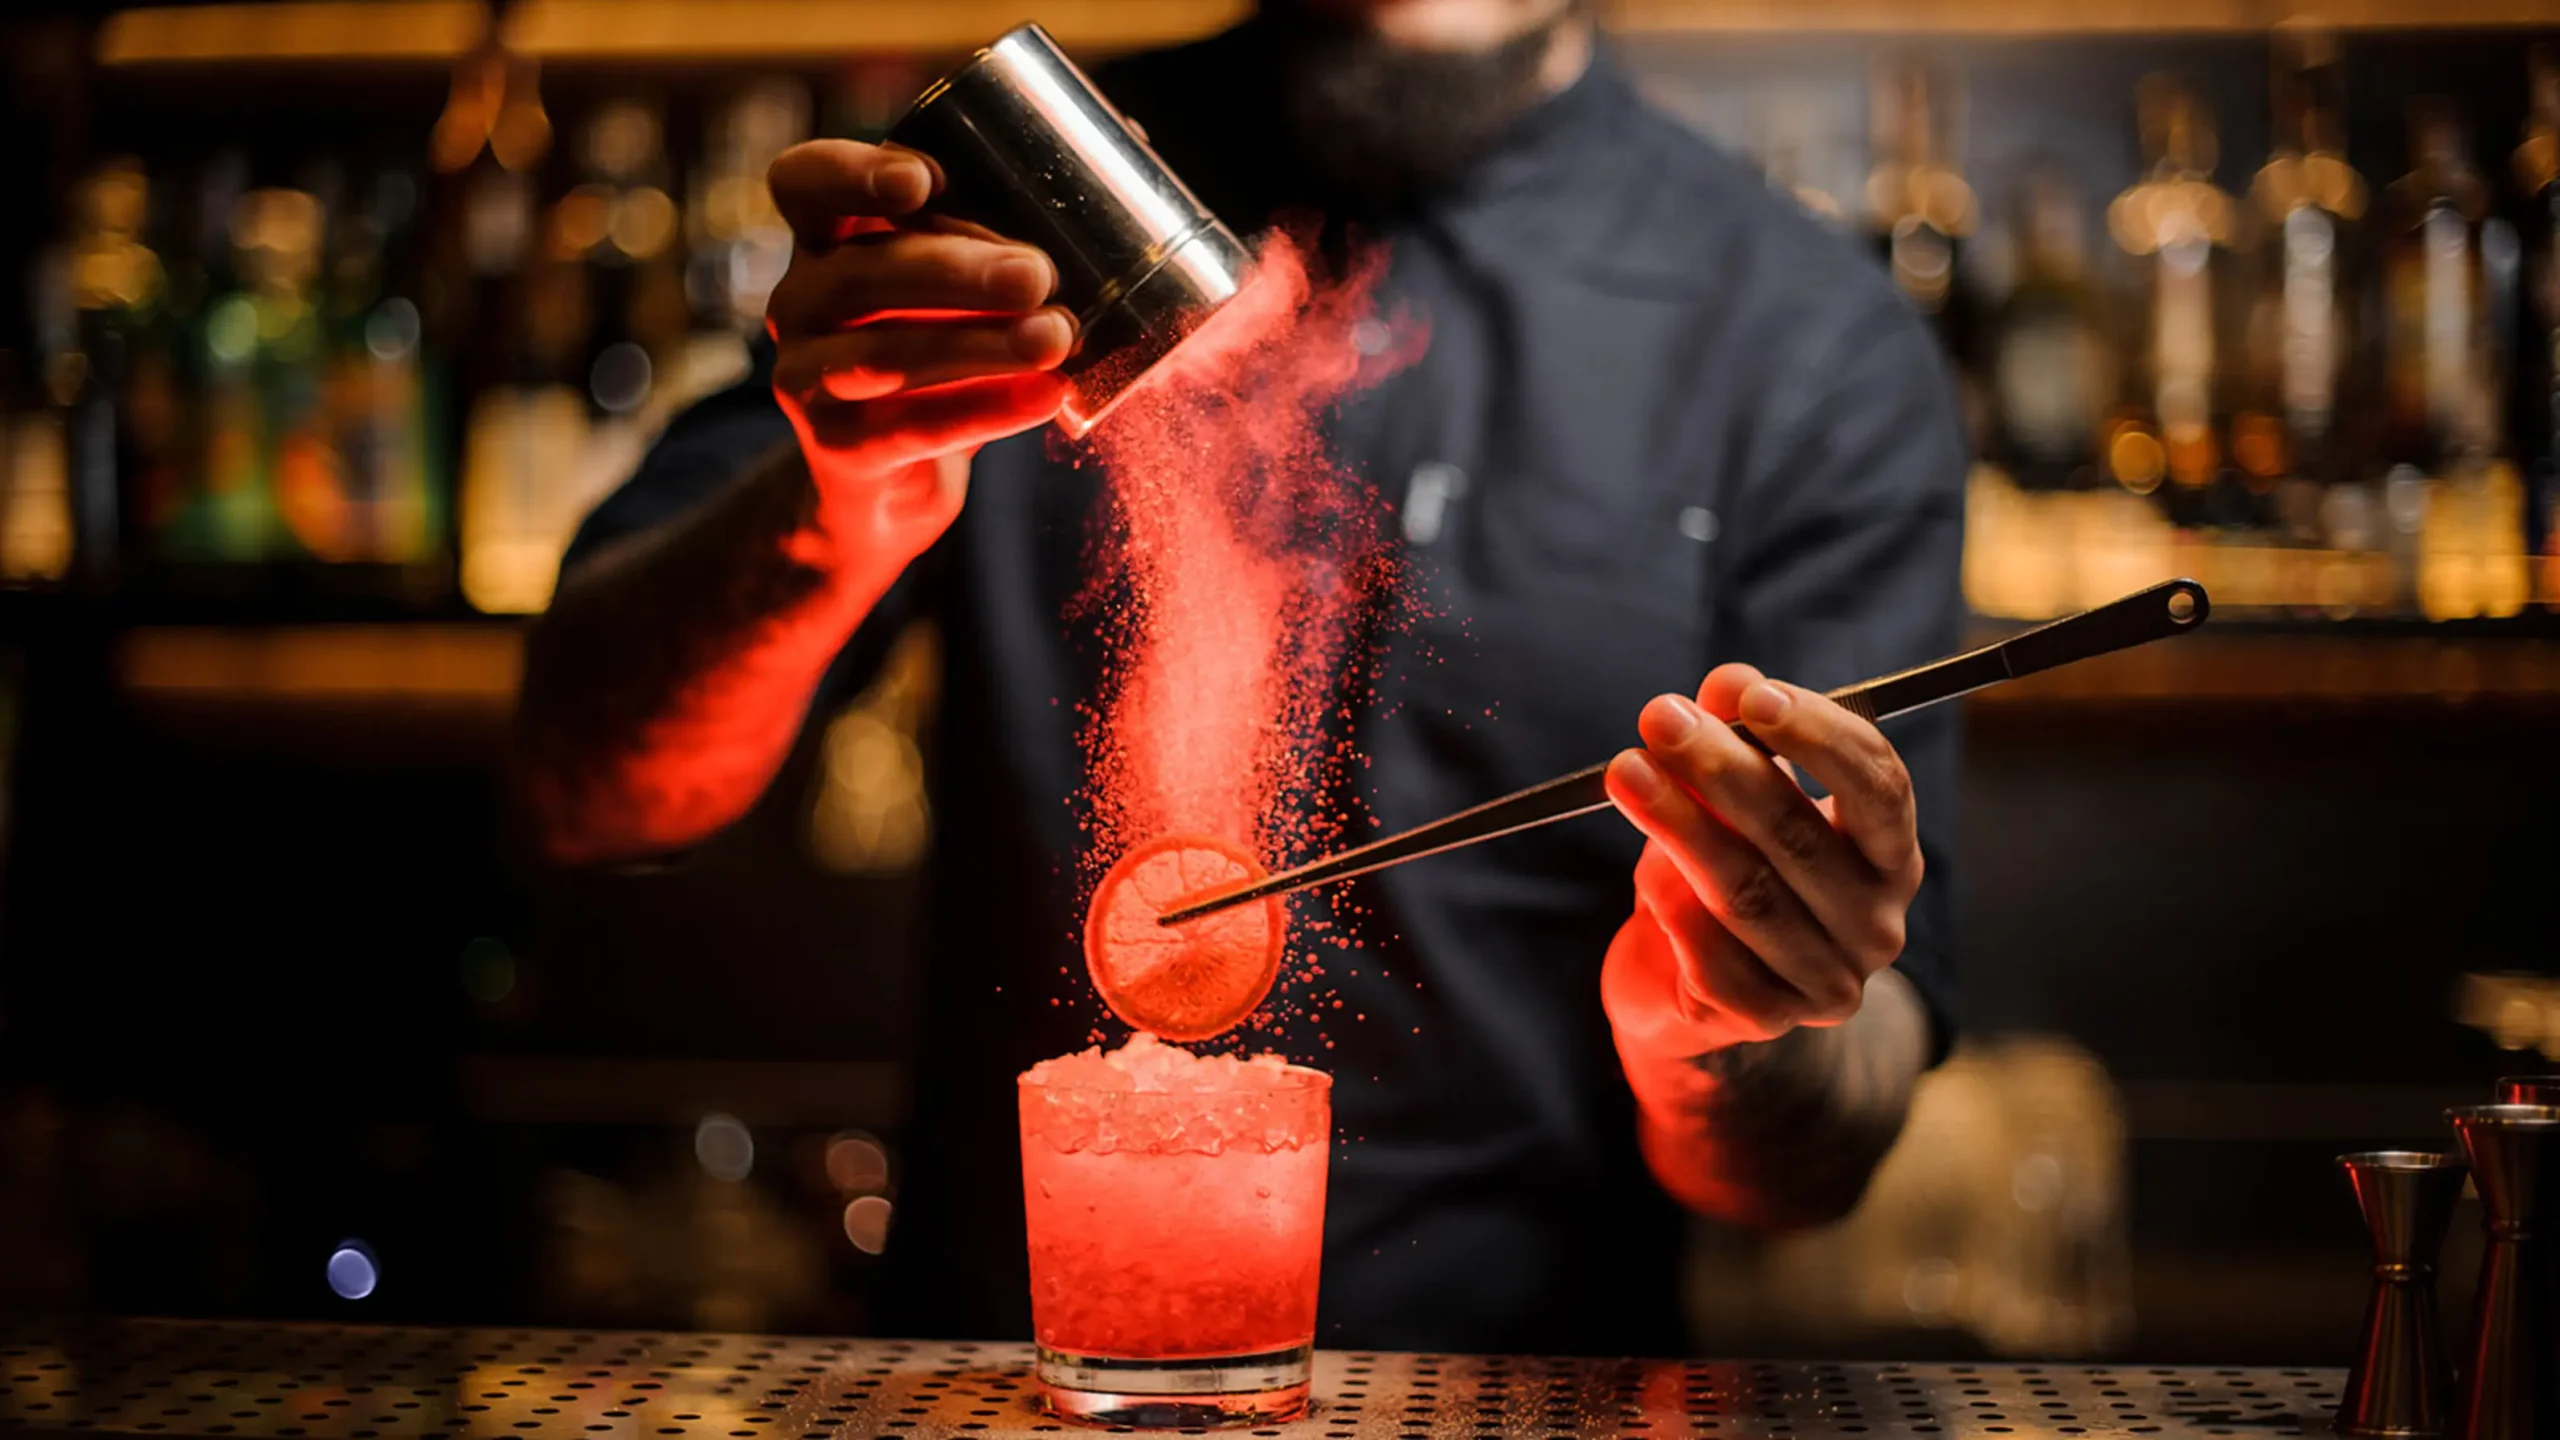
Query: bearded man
[{"x": 1666, "y": 427}]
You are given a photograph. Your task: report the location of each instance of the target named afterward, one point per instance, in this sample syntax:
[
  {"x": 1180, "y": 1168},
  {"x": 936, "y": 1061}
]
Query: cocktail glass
[{"x": 1175, "y": 1241}]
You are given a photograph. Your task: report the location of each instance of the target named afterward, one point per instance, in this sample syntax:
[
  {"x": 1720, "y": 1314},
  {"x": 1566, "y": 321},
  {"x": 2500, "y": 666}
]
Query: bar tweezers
[{"x": 2172, "y": 607}]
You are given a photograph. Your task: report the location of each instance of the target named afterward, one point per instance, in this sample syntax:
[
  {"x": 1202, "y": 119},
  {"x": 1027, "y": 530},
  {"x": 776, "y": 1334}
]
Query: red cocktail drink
[{"x": 1176, "y": 1209}]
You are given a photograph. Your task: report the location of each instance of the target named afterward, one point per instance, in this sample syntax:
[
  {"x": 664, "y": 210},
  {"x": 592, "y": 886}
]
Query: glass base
[{"x": 1256, "y": 1389}]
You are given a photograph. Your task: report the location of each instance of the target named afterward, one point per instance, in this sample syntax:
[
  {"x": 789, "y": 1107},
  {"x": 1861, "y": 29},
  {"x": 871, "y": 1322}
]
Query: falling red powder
[{"x": 1239, "y": 559}]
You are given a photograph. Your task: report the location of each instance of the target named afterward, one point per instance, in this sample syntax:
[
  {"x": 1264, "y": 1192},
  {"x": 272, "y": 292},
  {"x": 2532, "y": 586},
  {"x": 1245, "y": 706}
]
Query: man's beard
[{"x": 1378, "y": 124}]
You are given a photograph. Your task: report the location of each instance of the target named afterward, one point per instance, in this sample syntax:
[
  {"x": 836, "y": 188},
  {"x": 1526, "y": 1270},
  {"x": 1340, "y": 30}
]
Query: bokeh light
[
  {"x": 856, "y": 1163},
  {"x": 352, "y": 1271},
  {"x": 724, "y": 1146},
  {"x": 488, "y": 970},
  {"x": 866, "y": 1224},
  {"x": 618, "y": 381}
]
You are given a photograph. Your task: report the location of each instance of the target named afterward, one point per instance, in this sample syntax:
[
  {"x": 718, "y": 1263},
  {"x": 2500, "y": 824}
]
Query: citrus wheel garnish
[{"x": 1188, "y": 981}]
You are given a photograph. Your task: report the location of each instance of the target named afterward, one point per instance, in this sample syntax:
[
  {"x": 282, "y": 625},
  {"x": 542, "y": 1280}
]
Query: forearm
[
  {"x": 1784, "y": 1134},
  {"x": 667, "y": 681}
]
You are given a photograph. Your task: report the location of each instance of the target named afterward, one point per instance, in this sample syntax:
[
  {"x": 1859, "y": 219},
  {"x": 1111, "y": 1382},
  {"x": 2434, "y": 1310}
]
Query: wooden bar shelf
[{"x": 697, "y": 31}]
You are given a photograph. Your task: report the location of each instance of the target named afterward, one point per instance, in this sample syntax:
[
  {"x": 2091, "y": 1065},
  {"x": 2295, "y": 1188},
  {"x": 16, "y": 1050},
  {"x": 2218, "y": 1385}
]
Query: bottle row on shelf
[
  {"x": 2409, "y": 546},
  {"x": 424, "y": 365},
  {"x": 420, "y": 369},
  {"x": 2336, "y": 396}
]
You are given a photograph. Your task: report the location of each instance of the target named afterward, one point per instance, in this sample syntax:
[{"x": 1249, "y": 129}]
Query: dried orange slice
[{"x": 1187, "y": 981}]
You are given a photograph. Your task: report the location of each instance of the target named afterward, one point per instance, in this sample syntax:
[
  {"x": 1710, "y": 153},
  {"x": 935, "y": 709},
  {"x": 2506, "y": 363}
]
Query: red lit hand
[
  {"x": 1758, "y": 908},
  {"x": 901, "y": 345}
]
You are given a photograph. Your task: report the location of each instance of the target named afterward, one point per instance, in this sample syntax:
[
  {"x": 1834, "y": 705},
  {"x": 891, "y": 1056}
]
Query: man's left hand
[{"x": 1758, "y": 908}]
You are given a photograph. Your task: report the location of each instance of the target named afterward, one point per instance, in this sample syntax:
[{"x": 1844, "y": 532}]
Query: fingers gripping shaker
[{"x": 1030, "y": 150}]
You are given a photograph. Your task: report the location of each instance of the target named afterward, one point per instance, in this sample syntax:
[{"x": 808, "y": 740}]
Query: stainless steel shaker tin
[{"x": 1030, "y": 150}]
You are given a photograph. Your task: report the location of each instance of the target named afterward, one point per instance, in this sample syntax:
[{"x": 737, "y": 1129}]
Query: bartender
[{"x": 1676, "y": 436}]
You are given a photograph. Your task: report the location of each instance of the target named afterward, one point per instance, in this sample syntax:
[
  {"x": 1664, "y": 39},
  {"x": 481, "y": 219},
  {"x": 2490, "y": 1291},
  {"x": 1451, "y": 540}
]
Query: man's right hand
[{"x": 902, "y": 343}]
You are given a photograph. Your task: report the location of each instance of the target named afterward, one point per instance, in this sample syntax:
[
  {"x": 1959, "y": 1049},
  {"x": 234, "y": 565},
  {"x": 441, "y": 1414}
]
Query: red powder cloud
[{"x": 1242, "y": 561}]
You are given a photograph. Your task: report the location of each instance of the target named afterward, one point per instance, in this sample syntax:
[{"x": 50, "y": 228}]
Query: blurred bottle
[
  {"x": 486, "y": 149},
  {"x": 163, "y": 444},
  {"x": 2296, "y": 430},
  {"x": 2178, "y": 221},
  {"x": 2439, "y": 362},
  {"x": 165, "y": 499},
  {"x": 604, "y": 320},
  {"x": 522, "y": 327},
  {"x": 738, "y": 243},
  {"x": 2536, "y": 407},
  {"x": 1921, "y": 209},
  {"x": 2051, "y": 371},
  {"x": 35, "y": 480},
  {"x": 266, "y": 441},
  {"x": 623, "y": 227},
  {"x": 121, "y": 408},
  {"x": 2446, "y": 264},
  {"x": 388, "y": 505},
  {"x": 621, "y": 222}
]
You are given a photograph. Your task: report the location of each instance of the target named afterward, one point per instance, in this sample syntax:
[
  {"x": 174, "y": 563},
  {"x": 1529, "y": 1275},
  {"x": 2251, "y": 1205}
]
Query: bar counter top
[{"x": 165, "y": 1378}]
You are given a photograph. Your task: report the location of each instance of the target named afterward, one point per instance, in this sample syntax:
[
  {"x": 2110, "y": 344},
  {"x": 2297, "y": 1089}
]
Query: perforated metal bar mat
[{"x": 325, "y": 1382}]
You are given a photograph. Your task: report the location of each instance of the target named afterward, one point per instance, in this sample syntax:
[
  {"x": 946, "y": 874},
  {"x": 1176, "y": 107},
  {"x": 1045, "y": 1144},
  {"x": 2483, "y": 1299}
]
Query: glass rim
[
  {"x": 2509, "y": 1113},
  {"x": 2403, "y": 1160},
  {"x": 1304, "y": 1079}
]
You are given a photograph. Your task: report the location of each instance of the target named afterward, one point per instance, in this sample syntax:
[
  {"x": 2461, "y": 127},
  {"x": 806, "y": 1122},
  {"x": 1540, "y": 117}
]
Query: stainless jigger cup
[
  {"x": 2401, "y": 1384},
  {"x": 2529, "y": 1089},
  {"x": 1030, "y": 150},
  {"x": 2511, "y": 1381}
]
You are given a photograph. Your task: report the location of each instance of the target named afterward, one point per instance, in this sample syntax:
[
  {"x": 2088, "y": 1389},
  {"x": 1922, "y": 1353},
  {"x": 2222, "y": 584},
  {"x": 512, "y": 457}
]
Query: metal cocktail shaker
[{"x": 1030, "y": 150}]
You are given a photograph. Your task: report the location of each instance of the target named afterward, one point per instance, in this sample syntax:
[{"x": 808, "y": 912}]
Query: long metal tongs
[{"x": 2172, "y": 607}]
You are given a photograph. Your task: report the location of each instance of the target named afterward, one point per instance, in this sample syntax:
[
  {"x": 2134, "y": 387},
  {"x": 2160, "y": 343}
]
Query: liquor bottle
[
  {"x": 2181, "y": 226},
  {"x": 162, "y": 424},
  {"x": 622, "y": 224},
  {"x": 2536, "y": 407},
  {"x": 378, "y": 385},
  {"x": 637, "y": 319},
  {"x": 35, "y": 481},
  {"x": 267, "y": 453},
  {"x": 2296, "y": 427},
  {"x": 519, "y": 328},
  {"x": 2050, "y": 370},
  {"x": 196, "y": 246},
  {"x": 117, "y": 285},
  {"x": 568, "y": 423},
  {"x": 2444, "y": 373},
  {"x": 1921, "y": 209},
  {"x": 2438, "y": 353},
  {"x": 528, "y": 440},
  {"x": 488, "y": 146},
  {"x": 738, "y": 244}
]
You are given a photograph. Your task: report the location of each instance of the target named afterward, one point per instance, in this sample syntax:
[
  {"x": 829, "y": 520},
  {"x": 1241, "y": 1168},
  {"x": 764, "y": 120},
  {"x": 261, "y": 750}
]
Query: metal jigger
[
  {"x": 2400, "y": 1385},
  {"x": 2511, "y": 1387}
]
